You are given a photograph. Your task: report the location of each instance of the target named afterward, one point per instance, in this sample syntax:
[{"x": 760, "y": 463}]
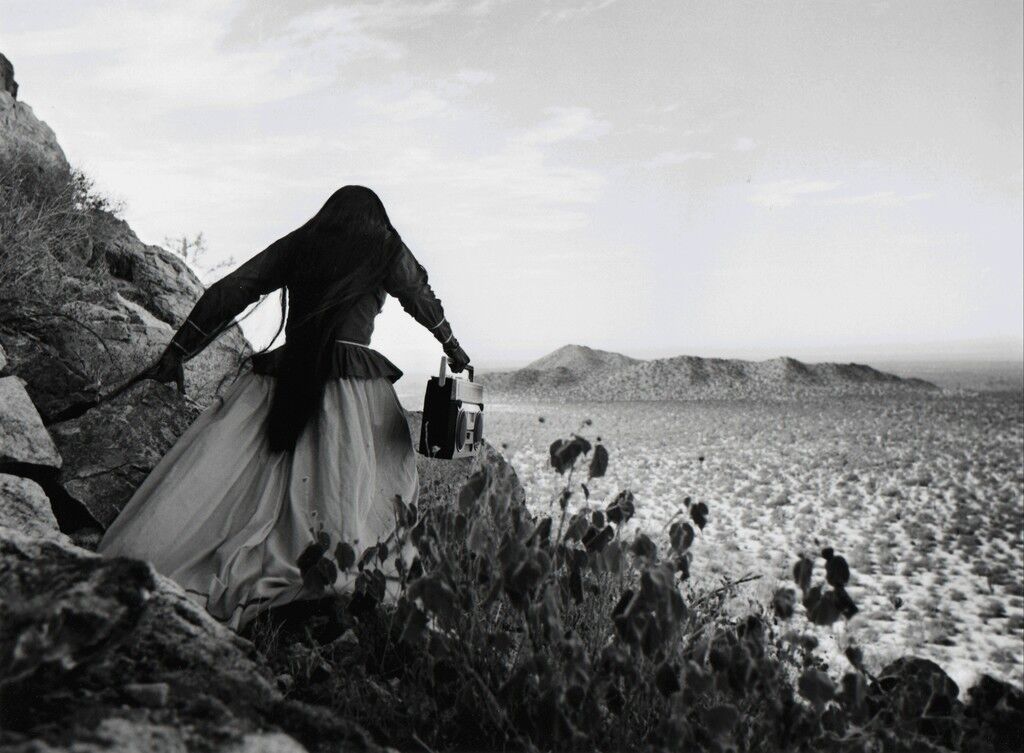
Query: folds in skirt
[{"x": 227, "y": 518}]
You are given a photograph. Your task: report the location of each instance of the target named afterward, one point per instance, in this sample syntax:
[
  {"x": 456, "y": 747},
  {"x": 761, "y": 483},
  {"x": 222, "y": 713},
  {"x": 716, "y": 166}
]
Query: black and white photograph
[{"x": 479, "y": 376}]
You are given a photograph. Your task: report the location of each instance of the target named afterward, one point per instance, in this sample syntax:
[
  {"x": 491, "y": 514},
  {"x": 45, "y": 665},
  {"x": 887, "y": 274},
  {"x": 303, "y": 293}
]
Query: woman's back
[{"x": 312, "y": 442}]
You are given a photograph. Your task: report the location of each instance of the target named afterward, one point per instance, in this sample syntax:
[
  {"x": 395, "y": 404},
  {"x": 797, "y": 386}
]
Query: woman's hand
[
  {"x": 168, "y": 368},
  {"x": 458, "y": 359}
]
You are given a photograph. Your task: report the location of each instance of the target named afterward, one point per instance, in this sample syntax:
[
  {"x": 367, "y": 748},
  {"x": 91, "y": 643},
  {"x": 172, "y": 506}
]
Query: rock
[
  {"x": 7, "y": 82},
  {"x": 3, "y": 360},
  {"x": 920, "y": 682},
  {"x": 441, "y": 480},
  {"x": 117, "y": 735},
  {"x": 25, "y": 507},
  {"x": 151, "y": 694},
  {"x": 75, "y": 627},
  {"x": 111, "y": 448},
  {"x": 53, "y": 381},
  {"x": 121, "y": 302},
  {"x": 161, "y": 283},
  {"x": 24, "y": 440},
  {"x": 997, "y": 710},
  {"x": 273, "y": 742},
  {"x": 154, "y": 278},
  {"x": 86, "y": 349},
  {"x": 923, "y": 697},
  {"x": 88, "y": 537},
  {"x": 21, "y": 130}
]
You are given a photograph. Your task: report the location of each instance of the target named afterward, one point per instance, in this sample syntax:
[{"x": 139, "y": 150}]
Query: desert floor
[{"x": 922, "y": 495}]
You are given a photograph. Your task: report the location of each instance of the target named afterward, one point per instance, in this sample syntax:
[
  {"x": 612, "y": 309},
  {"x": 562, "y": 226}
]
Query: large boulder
[
  {"x": 137, "y": 297},
  {"x": 94, "y": 650},
  {"x": 21, "y": 130},
  {"x": 160, "y": 283},
  {"x": 996, "y": 711},
  {"x": 25, "y": 508},
  {"x": 110, "y": 449},
  {"x": 25, "y": 444},
  {"x": 7, "y": 82},
  {"x": 917, "y": 697}
]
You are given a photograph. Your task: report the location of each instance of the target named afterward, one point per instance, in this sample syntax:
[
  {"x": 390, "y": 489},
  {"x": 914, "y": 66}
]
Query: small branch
[{"x": 748, "y": 578}]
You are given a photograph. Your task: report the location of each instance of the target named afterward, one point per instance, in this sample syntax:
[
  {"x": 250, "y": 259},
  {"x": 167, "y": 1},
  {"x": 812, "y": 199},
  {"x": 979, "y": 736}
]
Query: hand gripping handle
[{"x": 443, "y": 373}]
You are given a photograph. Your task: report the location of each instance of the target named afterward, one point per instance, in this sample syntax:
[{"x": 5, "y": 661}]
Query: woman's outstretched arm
[
  {"x": 218, "y": 307},
  {"x": 407, "y": 281},
  {"x": 229, "y": 296}
]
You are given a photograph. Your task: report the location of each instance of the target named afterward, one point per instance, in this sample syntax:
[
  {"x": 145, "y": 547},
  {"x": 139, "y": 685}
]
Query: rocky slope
[
  {"x": 575, "y": 372},
  {"x": 116, "y": 304},
  {"x": 105, "y": 654}
]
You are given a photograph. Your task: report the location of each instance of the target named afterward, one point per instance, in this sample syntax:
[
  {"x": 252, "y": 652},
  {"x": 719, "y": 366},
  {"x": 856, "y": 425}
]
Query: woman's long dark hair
[{"x": 339, "y": 256}]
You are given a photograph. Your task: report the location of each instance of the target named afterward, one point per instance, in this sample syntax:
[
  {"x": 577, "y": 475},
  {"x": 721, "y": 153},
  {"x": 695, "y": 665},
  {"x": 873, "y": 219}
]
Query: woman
[{"x": 312, "y": 438}]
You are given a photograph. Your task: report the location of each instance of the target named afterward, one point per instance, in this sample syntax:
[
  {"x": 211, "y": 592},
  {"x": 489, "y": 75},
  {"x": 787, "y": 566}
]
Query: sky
[{"x": 826, "y": 180}]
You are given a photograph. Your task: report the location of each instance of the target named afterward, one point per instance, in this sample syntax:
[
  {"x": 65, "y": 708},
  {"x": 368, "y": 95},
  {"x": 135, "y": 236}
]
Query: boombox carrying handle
[{"x": 443, "y": 373}]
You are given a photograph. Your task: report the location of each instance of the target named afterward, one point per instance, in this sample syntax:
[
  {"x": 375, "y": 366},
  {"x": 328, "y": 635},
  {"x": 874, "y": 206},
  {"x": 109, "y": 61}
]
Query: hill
[
  {"x": 566, "y": 368},
  {"x": 575, "y": 372}
]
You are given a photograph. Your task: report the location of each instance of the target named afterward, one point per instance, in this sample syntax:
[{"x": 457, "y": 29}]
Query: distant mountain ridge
[{"x": 576, "y": 372}]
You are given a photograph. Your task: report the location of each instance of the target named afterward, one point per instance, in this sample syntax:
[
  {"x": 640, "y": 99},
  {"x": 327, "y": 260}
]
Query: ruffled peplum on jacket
[{"x": 348, "y": 361}]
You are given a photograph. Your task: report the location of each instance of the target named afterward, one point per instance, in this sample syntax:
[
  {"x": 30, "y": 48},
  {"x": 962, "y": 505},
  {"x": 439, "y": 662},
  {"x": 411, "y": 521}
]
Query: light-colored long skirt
[{"x": 227, "y": 519}]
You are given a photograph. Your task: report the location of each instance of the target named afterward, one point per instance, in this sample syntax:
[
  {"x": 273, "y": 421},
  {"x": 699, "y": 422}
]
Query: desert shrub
[
  {"x": 47, "y": 215},
  {"x": 505, "y": 630},
  {"x": 194, "y": 251}
]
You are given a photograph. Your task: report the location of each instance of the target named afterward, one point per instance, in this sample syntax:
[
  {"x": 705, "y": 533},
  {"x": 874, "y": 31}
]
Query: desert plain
[{"x": 921, "y": 493}]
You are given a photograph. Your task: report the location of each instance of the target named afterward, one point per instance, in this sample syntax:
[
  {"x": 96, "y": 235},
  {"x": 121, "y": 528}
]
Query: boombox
[{"x": 453, "y": 416}]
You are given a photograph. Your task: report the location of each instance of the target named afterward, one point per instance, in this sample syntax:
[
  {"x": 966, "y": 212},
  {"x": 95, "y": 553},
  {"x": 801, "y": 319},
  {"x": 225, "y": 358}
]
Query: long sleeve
[
  {"x": 407, "y": 281},
  {"x": 228, "y": 297}
]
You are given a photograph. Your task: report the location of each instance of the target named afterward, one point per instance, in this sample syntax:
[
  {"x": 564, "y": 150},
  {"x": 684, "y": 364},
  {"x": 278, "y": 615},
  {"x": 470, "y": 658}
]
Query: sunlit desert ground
[{"x": 922, "y": 495}]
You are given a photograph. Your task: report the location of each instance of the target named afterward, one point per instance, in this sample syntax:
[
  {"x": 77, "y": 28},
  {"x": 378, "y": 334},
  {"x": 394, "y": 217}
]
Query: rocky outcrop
[
  {"x": 25, "y": 507},
  {"x": 7, "y": 82},
  {"x": 24, "y": 441},
  {"x": 21, "y": 130},
  {"x": 139, "y": 295},
  {"x": 113, "y": 304},
  {"x": 104, "y": 651},
  {"x": 111, "y": 448},
  {"x": 120, "y": 301},
  {"x": 927, "y": 705}
]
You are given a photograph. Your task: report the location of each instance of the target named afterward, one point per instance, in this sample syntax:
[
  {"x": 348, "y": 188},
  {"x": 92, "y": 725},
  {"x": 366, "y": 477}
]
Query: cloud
[
  {"x": 473, "y": 77},
  {"x": 513, "y": 191},
  {"x": 678, "y": 157},
  {"x": 564, "y": 124},
  {"x": 196, "y": 53},
  {"x": 567, "y": 10},
  {"x": 786, "y": 193},
  {"x": 877, "y": 199},
  {"x": 421, "y": 103},
  {"x": 744, "y": 144},
  {"x": 495, "y": 196},
  {"x": 406, "y": 98}
]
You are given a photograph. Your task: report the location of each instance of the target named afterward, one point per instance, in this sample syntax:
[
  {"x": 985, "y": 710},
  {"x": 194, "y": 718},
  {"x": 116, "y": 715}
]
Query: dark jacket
[{"x": 351, "y": 329}]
